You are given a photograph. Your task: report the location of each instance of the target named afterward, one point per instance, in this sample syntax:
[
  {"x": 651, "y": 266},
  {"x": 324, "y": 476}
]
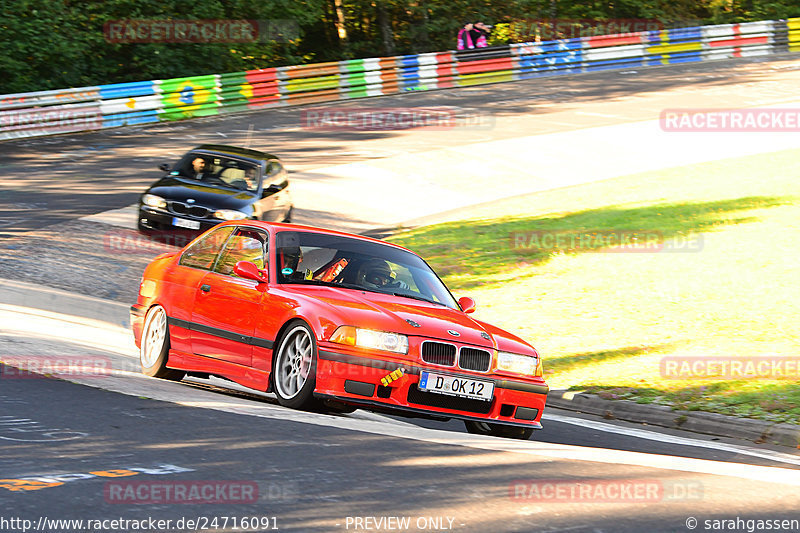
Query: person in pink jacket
[{"x": 473, "y": 35}]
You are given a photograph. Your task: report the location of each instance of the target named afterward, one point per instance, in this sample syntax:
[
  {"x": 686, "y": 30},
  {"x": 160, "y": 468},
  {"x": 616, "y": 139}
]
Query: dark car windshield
[
  {"x": 339, "y": 261},
  {"x": 218, "y": 171}
]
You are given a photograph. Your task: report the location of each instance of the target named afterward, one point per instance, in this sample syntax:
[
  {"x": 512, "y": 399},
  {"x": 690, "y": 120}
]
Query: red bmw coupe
[{"x": 322, "y": 317}]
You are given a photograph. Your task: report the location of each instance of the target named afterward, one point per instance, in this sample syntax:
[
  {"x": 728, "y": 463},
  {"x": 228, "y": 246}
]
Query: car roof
[
  {"x": 311, "y": 229},
  {"x": 234, "y": 151}
]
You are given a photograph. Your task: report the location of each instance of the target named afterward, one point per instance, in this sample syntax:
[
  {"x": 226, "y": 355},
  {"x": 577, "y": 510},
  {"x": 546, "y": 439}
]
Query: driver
[
  {"x": 291, "y": 260},
  {"x": 379, "y": 275},
  {"x": 199, "y": 167}
]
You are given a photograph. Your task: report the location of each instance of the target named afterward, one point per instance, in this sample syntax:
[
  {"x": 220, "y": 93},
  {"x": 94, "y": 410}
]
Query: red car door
[
  {"x": 183, "y": 281},
  {"x": 226, "y": 306}
]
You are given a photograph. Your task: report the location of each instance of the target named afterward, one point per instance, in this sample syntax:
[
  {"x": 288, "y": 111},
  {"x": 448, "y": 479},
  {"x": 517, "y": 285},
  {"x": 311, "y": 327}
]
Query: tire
[
  {"x": 498, "y": 430},
  {"x": 294, "y": 368},
  {"x": 154, "y": 346}
]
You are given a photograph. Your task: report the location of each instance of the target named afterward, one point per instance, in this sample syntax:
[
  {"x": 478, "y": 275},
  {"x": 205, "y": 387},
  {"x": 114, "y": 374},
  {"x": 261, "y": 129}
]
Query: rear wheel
[
  {"x": 295, "y": 367},
  {"x": 154, "y": 346},
  {"x": 498, "y": 430}
]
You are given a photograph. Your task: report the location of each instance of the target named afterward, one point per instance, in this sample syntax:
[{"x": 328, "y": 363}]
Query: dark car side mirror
[
  {"x": 164, "y": 167},
  {"x": 276, "y": 187},
  {"x": 466, "y": 304},
  {"x": 249, "y": 270}
]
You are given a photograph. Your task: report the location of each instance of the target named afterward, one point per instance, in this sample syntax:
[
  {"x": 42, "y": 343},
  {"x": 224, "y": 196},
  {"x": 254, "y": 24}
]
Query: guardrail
[{"x": 121, "y": 104}]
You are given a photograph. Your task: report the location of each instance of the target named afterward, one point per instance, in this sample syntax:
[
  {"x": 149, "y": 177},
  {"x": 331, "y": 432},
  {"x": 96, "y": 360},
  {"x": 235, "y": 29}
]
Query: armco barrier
[{"x": 114, "y": 105}]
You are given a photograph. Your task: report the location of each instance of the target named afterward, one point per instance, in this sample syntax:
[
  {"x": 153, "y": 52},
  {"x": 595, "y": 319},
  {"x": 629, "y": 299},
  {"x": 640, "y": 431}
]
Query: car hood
[
  {"x": 387, "y": 312},
  {"x": 173, "y": 189}
]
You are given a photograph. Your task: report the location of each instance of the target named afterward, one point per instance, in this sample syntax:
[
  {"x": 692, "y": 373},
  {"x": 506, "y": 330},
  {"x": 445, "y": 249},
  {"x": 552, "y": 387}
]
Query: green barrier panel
[{"x": 189, "y": 97}]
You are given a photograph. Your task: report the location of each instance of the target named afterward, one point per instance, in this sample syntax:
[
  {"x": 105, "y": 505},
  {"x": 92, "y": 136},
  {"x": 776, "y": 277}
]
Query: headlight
[
  {"x": 229, "y": 214},
  {"x": 519, "y": 364},
  {"x": 154, "y": 201},
  {"x": 369, "y": 338}
]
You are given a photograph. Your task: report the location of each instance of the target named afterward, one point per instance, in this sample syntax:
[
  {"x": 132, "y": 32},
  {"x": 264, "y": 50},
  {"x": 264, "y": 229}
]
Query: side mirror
[
  {"x": 164, "y": 167},
  {"x": 276, "y": 187},
  {"x": 248, "y": 270},
  {"x": 466, "y": 304}
]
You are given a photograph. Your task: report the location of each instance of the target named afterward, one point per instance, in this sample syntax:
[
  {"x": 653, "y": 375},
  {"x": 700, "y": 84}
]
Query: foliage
[{"x": 47, "y": 44}]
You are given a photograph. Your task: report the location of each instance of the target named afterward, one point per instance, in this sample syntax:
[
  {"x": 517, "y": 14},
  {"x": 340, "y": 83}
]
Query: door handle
[{"x": 205, "y": 288}]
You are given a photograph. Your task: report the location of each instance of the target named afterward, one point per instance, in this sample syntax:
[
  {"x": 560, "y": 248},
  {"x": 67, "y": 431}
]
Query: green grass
[{"x": 603, "y": 321}]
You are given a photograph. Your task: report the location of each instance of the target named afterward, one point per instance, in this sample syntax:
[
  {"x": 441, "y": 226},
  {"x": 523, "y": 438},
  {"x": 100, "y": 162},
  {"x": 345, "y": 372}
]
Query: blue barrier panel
[
  {"x": 613, "y": 64},
  {"x": 562, "y": 56},
  {"x": 127, "y": 90},
  {"x": 130, "y": 119}
]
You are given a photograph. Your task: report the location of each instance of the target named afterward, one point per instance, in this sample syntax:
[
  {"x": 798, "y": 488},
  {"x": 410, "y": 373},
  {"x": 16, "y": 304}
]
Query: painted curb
[{"x": 759, "y": 431}]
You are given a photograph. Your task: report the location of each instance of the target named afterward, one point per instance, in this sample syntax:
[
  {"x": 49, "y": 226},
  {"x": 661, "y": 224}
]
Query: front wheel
[
  {"x": 295, "y": 367},
  {"x": 154, "y": 346},
  {"x": 498, "y": 430}
]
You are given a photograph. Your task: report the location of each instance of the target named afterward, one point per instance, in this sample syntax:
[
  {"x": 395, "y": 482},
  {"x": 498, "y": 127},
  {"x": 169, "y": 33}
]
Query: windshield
[
  {"x": 337, "y": 261},
  {"x": 218, "y": 171}
]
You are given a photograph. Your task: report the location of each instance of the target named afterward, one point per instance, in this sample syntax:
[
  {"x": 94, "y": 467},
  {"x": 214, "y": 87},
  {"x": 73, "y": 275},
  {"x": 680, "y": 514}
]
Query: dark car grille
[
  {"x": 448, "y": 402},
  {"x": 180, "y": 208},
  {"x": 438, "y": 353},
  {"x": 474, "y": 359}
]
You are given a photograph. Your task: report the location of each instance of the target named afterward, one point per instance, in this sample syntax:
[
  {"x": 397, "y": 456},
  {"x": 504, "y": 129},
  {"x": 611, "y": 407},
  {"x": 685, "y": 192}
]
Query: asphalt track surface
[{"x": 317, "y": 472}]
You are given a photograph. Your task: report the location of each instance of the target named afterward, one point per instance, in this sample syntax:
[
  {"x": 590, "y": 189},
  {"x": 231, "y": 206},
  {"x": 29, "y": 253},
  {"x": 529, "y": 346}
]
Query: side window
[
  {"x": 202, "y": 253},
  {"x": 246, "y": 244}
]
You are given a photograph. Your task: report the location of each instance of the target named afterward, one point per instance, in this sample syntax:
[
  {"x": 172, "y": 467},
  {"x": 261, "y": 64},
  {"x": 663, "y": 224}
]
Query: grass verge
[{"x": 605, "y": 319}]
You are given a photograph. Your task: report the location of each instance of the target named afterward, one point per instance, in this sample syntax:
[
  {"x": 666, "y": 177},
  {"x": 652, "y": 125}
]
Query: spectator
[
  {"x": 480, "y": 34},
  {"x": 473, "y": 35},
  {"x": 465, "y": 38}
]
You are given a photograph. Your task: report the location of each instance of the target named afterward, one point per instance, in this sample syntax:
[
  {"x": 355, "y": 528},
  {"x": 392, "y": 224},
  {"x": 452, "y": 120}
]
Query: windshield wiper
[
  {"x": 415, "y": 297},
  {"x": 336, "y": 285}
]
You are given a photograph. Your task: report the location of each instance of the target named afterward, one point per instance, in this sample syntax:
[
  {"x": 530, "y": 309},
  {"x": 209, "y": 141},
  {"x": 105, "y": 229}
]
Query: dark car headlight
[
  {"x": 229, "y": 214},
  {"x": 152, "y": 200}
]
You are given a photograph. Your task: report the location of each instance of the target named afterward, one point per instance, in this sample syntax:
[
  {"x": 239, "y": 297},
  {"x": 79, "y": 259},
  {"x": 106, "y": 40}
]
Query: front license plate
[
  {"x": 183, "y": 223},
  {"x": 456, "y": 386}
]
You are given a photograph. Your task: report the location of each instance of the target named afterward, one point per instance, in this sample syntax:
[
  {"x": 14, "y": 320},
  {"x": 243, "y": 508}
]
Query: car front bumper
[
  {"x": 162, "y": 221},
  {"x": 356, "y": 379}
]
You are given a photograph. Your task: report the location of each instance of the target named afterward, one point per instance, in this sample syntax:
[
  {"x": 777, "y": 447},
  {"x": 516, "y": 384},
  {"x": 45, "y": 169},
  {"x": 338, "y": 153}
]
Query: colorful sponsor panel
[{"x": 189, "y": 97}]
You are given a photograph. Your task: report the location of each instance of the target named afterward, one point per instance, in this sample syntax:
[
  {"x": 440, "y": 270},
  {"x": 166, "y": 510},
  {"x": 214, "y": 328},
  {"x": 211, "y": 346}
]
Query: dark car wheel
[
  {"x": 154, "y": 348},
  {"x": 498, "y": 430},
  {"x": 295, "y": 367}
]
